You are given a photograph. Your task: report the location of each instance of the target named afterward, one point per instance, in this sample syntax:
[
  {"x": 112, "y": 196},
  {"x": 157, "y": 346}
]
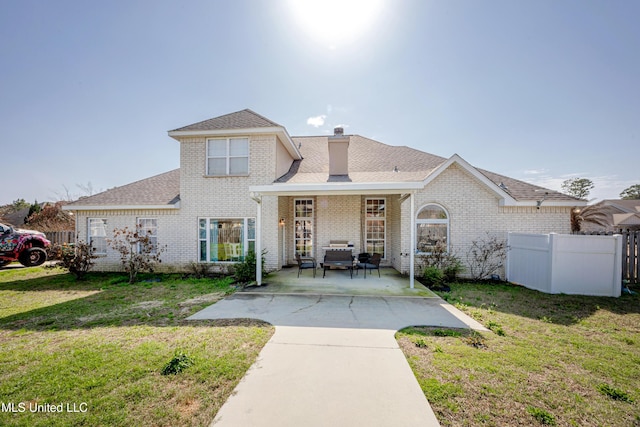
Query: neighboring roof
[
  {"x": 160, "y": 191},
  {"x": 245, "y": 119},
  {"x": 16, "y": 218},
  {"x": 626, "y": 220},
  {"x": 623, "y": 205}
]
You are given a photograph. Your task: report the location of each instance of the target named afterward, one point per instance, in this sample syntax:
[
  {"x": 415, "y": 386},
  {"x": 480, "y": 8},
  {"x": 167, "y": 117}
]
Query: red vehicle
[{"x": 26, "y": 246}]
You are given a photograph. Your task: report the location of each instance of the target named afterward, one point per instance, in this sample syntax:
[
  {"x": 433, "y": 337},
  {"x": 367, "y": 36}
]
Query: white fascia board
[
  {"x": 118, "y": 207},
  {"x": 548, "y": 203},
  {"x": 505, "y": 198},
  {"x": 342, "y": 188},
  {"x": 278, "y": 130}
]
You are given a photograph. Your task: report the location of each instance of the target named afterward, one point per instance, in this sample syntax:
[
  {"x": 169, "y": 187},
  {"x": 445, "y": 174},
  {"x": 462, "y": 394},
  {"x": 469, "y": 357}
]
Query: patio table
[{"x": 337, "y": 264}]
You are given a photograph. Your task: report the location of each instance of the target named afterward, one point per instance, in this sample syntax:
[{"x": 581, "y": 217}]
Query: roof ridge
[
  {"x": 249, "y": 110},
  {"x": 235, "y": 120}
]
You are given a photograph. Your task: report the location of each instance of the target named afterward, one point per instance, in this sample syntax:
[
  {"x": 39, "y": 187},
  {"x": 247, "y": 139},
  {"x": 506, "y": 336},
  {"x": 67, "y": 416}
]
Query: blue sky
[{"x": 541, "y": 91}]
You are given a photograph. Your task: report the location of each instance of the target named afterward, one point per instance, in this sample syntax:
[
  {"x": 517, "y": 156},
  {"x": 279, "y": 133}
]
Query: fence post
[
  {"x": 507, "y": 271},
  {"x": 617, "y": 272},
  {"x": 552, "y": 254}
]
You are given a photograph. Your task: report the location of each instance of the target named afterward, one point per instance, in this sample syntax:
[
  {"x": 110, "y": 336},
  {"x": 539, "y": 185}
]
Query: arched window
[{"x": 432, "y": 229}]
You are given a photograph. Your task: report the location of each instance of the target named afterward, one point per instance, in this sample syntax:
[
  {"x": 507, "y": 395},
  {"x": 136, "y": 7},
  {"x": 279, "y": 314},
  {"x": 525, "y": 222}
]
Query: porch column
[
  {"x": 258, "y": 200},
  {"x": 412, "y": 249}
]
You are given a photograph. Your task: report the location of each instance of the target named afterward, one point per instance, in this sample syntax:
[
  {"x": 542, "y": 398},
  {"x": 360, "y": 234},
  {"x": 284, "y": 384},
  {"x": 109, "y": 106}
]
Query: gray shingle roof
[
  {"x": 159, "y": 190},
  {"x": 245, "y": 119},
  {"x": 369, "y": 161},
  {"x": 521, "y": 190},
  {"x": 372, "y": 161}
]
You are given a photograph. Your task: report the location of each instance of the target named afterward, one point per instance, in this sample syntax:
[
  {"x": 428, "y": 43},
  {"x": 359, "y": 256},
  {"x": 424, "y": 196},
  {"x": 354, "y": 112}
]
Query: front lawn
[
  {"x": 96, "y": 349},
  {"x": 548, "y": 360}
]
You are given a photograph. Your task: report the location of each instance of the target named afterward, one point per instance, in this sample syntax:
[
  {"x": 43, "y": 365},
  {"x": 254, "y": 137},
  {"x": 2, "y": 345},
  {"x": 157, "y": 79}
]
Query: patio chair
[
  {"x": 364, "y": 257},
  {"x": 305, "y": 263},
  {"x": 372, "y": 264}
]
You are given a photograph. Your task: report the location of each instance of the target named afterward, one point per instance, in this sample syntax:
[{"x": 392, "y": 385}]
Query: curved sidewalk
[{"x": 333, "y": 360}]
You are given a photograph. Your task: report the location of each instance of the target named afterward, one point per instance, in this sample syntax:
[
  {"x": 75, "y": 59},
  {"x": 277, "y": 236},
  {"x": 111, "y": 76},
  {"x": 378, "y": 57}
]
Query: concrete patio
[{"x": 339, "y": 282}]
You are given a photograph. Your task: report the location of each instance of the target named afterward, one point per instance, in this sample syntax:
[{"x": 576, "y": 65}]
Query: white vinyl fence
[{"x": 568, "y": 264}]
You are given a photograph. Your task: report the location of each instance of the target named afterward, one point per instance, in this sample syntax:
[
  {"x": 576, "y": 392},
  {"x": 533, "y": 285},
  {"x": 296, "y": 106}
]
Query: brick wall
[
  {"x": 203, "y": 196},
  {"x": 474, "y": 211}
]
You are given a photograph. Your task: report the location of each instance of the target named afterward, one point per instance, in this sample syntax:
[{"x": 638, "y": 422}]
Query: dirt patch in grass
[{"x": 542, "y": 362}]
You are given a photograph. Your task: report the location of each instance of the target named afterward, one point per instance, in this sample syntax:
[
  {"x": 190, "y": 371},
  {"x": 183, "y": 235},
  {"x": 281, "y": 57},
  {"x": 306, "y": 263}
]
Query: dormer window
[{"x": 227, "y": 156}]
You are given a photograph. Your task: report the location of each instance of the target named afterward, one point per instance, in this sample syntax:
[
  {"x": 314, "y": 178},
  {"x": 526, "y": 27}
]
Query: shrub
[
  {"x": 137, "y": 251},
  {"x": 432, "y": 276},
  {"x": 78, "y": 258},
  {"x": 245, "y": 271},
  {"x": 447, "y": 263},
  {"x": 486, "y": 256}
]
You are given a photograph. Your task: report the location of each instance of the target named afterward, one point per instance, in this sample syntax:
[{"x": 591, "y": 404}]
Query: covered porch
[
  {"x": 372, "y": 218},
  {"x": 339, "y": 282}
]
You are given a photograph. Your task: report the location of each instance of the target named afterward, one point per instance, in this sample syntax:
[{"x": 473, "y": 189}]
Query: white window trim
[
  {"x": 245, "y": 237},
  {"x": 227, "y": 156},
  {"x": 304, "y": 218},
  {"x": 384, "y": 218},
  {"x": 90, "y": 236},
  {"x": 138, "y": 221},
  {"x": 432, "y": 221}
]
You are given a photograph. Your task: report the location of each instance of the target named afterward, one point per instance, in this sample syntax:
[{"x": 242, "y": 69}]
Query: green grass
[
  {"x": 547, "y": 360},
  {"x": 104, "y": 343}
]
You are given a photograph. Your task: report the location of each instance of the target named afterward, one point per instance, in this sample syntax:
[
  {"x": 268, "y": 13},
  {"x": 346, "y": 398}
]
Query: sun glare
[{"x": 335, "y": 22}]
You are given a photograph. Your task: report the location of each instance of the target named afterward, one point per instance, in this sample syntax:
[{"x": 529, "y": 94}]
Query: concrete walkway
[{"x": 333, "y": 360}]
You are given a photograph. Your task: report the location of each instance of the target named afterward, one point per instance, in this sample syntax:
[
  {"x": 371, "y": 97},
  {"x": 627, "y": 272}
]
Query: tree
[
  {"x": 35, "y": 208},
  {"x": 592, "y": 214},
  {"x": 137, "y": 250},
  {"x": 631, "y": 193},
  {"x": 20, "y": 204},
  {"x": 578, "y": 187}
]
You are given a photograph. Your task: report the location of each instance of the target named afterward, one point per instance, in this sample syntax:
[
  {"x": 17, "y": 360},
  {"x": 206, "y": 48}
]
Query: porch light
[{"x": 281, "y": 223}]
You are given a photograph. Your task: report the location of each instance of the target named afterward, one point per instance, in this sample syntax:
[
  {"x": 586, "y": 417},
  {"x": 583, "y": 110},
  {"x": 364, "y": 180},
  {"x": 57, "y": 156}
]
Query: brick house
[{"x": 245, "y": 184}]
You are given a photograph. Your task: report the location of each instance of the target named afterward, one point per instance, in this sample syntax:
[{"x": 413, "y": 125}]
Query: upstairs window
[{"x": 227, "y": 156}]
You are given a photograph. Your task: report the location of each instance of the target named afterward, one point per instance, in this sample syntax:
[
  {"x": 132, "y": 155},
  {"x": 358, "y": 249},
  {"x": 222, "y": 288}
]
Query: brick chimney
[{"x": 338, "y": 153}]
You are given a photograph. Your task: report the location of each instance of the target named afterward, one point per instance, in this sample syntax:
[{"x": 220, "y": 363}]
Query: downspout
[{"x": 258, "y": 200}]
